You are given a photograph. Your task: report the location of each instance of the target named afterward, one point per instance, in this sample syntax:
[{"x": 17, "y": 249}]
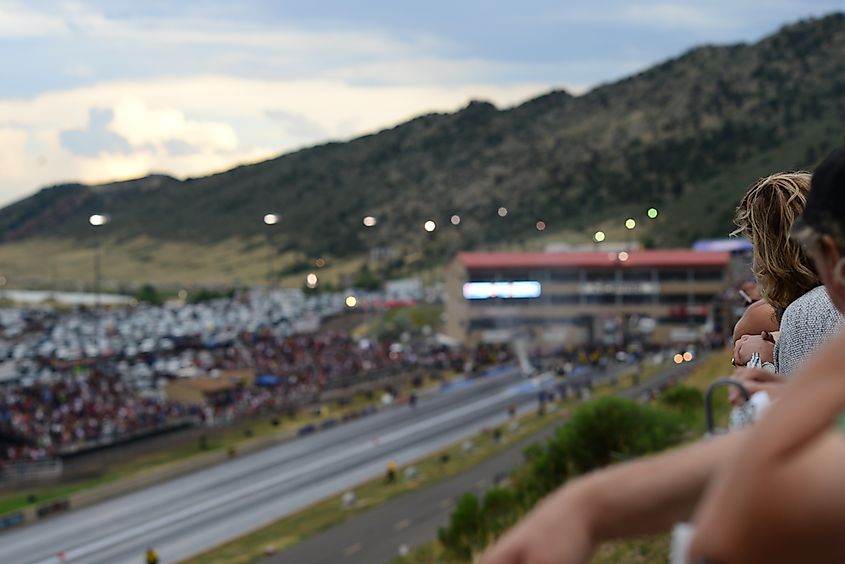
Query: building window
[
  {"x": 565, "y": 276},
  {"x": 636, "y": 275},
  {"x": 478, "y": 324},
  {"x": 673, "y": 299},
  {"x": 707, "y": 275},
  {"x": 482, "y": 276},
  {"x": 510, "y": 275},
  {"x": 600, "y": 299},
  {"x": 637, "y": 299},
  {"x": 600, "y": 275},
  {"x": 502, "y": 302},
  {"x": 683, "y": 320},
  {"x": 672, "y": 275},
  {"x": 563, "y": 300}
]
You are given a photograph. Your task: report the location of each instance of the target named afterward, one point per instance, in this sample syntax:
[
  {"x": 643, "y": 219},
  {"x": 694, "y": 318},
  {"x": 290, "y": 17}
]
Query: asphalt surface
[
  {"x": 409, "y": 520},
  {"x": 186, "y": 515},
  {"x": 412, "y": 519}
]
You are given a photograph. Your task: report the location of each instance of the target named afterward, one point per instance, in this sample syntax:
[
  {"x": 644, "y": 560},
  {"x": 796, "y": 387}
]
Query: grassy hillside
[{"x": 687, "y": 136}]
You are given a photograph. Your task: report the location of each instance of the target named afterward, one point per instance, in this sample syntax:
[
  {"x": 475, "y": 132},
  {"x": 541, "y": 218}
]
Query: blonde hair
[{"x": 765, "y": 215}]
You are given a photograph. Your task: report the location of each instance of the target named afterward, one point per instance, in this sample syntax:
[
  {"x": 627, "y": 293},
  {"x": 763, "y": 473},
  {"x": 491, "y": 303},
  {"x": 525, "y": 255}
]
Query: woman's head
[
  {"x": 821, "y": 228},
  {"x": 765, "y": 215}
]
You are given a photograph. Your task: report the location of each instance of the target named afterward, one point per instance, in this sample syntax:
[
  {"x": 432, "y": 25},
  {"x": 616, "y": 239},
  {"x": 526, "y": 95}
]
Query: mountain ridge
[{"x": 688, "y": 133}]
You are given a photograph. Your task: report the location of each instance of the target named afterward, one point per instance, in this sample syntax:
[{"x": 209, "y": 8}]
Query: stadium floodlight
[
  {"x": 503, "y": 211},
  {"x": 351, "y": 301},
  {"x": 630, "y": 223},
  {"x": 269, "y": 220},
  {"x": 429, "y": 226},
  {"x": 652, "y": 213},
  {"x": 456, "y": 219},
  {"x": 369, "y": 221},
  {"x": 540, "y": 225},
  {"x": 98, "y": 219},
  {"x": 599, "y": 236}
]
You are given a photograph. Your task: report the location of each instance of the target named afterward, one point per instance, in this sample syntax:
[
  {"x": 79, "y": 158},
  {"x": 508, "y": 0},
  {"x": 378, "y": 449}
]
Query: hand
[
  {"x": 755, "y": 380},
  {"x": 556, "y": 532},
  {"x": 747, "y": 345}
]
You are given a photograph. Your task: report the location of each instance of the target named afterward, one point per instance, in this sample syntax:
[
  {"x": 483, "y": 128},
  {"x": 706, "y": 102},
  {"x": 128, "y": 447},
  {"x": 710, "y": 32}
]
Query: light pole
[
  {"x": 630, "y": 224},
  {"x": 270, "y": 219},
  {"x": 372, "y": 252},
  {"x": 97, "y": 220}
]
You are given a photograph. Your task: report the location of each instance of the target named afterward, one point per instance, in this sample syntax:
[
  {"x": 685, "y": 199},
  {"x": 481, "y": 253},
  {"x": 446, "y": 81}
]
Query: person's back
[{"x": 807, "y": 323}]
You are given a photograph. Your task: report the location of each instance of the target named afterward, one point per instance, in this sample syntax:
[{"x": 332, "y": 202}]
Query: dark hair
[{"x": 824, "y": 213}]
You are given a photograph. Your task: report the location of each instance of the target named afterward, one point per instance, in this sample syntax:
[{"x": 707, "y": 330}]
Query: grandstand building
[{"x": 654, "y": 297}]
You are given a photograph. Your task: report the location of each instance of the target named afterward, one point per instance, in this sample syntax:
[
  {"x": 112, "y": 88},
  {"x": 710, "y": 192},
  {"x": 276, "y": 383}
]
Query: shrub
[
  {"x": 149, "y": 294},
  {"x": 465, "y": 534},
  {"x": 685, "y": 398},
  {"x": 599, "y": 432},
  {"x": 545, "y": 470},
  {"x": 501, "y": 509},
  {"x": 611, "y": 429}
]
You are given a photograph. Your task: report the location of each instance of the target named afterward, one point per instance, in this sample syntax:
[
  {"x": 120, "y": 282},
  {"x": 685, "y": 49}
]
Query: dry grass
[{"x": 42, "y": 263}]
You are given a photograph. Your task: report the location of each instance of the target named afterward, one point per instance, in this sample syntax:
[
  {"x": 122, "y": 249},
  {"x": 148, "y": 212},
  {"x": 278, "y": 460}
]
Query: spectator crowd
[{"x": 87, "y": 378}]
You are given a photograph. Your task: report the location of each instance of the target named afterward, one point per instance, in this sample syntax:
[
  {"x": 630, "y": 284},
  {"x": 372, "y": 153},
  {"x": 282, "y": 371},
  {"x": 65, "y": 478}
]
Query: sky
[{"x": 94, "y": 91}]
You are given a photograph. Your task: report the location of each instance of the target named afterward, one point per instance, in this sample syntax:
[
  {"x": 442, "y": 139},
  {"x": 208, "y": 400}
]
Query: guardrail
[{"x": 30, "y": 470}]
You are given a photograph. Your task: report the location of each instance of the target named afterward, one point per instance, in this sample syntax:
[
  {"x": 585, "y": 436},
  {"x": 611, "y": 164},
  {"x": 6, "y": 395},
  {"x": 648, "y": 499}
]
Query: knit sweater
[{"x": 806, "y": 324}]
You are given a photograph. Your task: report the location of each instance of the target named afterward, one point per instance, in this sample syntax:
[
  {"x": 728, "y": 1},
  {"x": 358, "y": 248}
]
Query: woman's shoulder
[
  {"x": 814, "y": 308},
  {"x": 814, "y": 300}
]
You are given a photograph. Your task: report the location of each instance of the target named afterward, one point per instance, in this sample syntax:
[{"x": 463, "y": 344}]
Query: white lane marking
[{"x": 199, "y": 508}]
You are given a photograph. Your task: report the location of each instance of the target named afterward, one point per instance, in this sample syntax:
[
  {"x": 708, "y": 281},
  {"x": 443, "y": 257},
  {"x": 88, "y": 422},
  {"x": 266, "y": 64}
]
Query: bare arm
[
  {"x": 747, "y": 345},
  {"x": 789, "y": 468},
  {"x": 794, "y": 513},
  {"x": 809, "y": 404},
  {"x": 758, "y": 317},
  {"x": 639, "y": 497}
]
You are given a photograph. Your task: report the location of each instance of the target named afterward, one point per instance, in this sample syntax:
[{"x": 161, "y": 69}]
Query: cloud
[
  {"x": 96, "y": 139},
  {"x": 179, "y": 148},
  {"x": 17, "y": 20},
  {"x": 297, "y": 125},
  {"x": 195, "y": 125},
  {"x": 674, "y": 16},
  {"x": 141, "y": 124},
  {"x": 13, "y": 154}
]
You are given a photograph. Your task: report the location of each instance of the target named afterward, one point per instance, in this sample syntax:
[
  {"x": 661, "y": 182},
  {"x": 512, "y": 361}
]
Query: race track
[{"x": 186, "y": 515}]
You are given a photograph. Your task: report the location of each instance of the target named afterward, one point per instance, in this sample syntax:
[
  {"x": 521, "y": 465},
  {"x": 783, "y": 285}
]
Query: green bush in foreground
[
  {"x": 683, "y": 397},
  {"x": 612, "y": 429},
  {"x": 600, "y": 432},
  {"x": 464, "y": 535}
]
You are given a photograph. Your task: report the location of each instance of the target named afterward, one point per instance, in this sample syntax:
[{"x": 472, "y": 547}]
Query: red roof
[{"x": 596, "y": 259}]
